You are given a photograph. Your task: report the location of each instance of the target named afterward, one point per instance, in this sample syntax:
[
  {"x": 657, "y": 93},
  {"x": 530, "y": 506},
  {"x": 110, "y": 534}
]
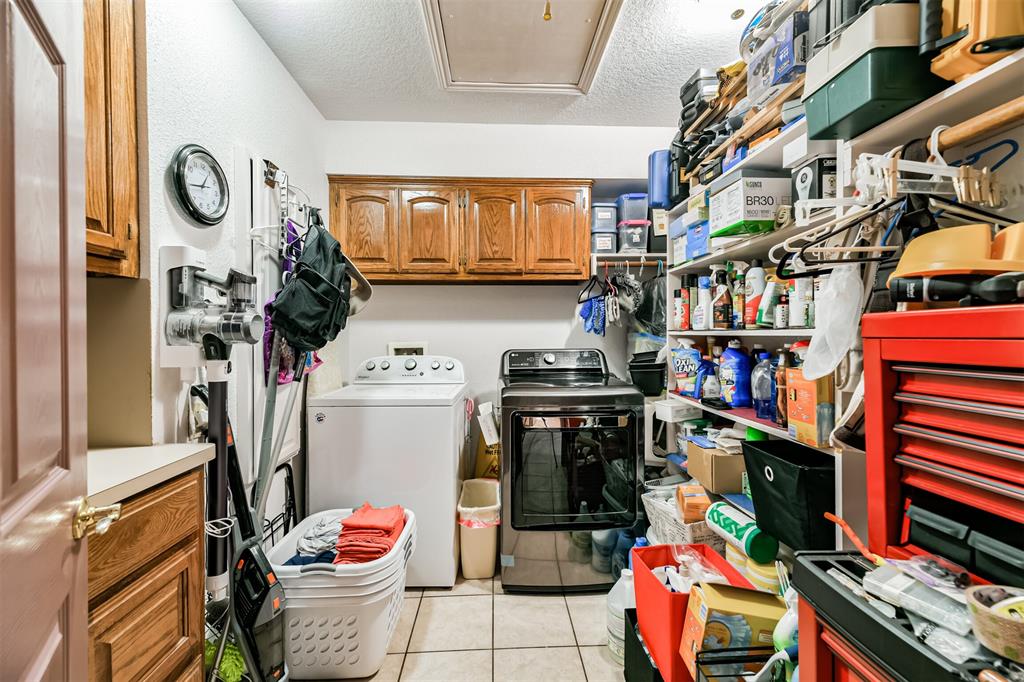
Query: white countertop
[{"x": 115, "y": 474}]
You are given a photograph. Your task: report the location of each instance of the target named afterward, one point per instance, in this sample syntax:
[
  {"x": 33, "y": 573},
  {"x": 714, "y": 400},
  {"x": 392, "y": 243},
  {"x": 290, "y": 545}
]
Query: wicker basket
[{"x": 663, "y": 515}]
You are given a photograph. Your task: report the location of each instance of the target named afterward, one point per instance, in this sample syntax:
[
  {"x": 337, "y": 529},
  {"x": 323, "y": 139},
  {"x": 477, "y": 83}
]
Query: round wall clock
[{"x": 200, "y": 184}]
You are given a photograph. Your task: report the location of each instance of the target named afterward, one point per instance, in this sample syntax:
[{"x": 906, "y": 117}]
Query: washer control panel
[
  {"x": 410, "y": 369},
  {"x": 556, "y": 359}
]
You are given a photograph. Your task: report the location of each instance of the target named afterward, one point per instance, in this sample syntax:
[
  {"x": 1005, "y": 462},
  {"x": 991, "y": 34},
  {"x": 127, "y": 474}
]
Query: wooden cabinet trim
[
  {"x": 434, "y": 181},
  {"x": 150, "y": 524}
]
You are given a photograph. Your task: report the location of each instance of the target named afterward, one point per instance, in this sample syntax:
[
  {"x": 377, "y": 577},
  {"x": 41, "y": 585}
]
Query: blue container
[
  {"x": 698, "y": 240},
  {"x": 632, "y": 206},
  {"x": 735, "y": 376},
  {"x": 657, "y": 179}
]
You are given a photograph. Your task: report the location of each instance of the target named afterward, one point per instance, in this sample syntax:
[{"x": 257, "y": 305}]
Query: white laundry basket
[
  {"x": 339, "y": 618},
  {"x": 479, "y": 515}
]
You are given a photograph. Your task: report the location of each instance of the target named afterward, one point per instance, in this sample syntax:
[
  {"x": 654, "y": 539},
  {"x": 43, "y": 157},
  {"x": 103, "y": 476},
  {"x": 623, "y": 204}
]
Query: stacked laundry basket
[{"x": 339, "y": 618}]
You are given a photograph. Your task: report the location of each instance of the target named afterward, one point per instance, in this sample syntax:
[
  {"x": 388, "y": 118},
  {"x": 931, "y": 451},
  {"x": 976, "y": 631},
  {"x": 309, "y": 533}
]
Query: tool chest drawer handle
[
  {"x": 962, "y": 476},
  {"x": 962, "y": 405},
  {"x": 961, "y": 372},
  {"x": 941, "y": 523},
  {"x": 1007, "y": 553},
  {"x": 983, "y": 446}
]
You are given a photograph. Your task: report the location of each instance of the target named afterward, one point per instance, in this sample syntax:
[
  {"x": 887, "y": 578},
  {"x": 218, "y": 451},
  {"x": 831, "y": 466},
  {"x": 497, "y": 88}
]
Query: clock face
[{"x": 201, "y": 185}]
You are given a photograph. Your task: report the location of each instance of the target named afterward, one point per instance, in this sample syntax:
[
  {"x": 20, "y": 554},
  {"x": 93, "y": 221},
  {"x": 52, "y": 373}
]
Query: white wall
[
  {"x": 478, "y": 323},
  {"x": 482, "y": 150},
  {"x": 210, "y": 79}
]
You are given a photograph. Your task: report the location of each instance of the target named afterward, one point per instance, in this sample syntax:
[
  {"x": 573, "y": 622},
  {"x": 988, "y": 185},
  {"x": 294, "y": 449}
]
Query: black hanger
[{"x": 587, "y": 294}]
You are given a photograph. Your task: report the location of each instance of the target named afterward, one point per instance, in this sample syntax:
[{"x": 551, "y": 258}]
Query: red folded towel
[
  {"x": 373, "y": 521},
  {"x": 369, "y": 534}
]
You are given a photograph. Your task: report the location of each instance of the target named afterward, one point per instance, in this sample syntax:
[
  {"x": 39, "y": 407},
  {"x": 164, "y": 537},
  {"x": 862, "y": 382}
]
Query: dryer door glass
[{"x": 574, "y": 471}]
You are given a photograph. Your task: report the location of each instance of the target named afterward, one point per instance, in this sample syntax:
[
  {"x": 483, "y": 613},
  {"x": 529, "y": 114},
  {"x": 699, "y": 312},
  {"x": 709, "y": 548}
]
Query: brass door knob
[{"x": 88, "y": 516}]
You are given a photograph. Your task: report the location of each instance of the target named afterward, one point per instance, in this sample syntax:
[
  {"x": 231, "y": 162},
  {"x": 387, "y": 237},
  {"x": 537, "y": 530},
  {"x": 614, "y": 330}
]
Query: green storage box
[{"x": 873, "y": 89}]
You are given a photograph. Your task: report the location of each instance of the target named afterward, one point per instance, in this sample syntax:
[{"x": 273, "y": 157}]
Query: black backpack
[{"x": 313, "y": 306}]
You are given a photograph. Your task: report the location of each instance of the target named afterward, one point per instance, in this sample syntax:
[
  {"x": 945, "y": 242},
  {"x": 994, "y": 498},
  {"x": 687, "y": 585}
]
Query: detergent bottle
[
  {"x": 735, "y": 376},
  {"x": 621, "y": 597},
  {"x": 707, "y": 384},
  {"x": 761, "y": 380}
]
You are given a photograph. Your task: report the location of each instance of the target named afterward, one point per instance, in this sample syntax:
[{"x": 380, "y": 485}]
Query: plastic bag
[
  {"x": 837, "y": 321},
  {"x": 650, "y": 314},
  {"x": 957, "y": 648},
  {"x": 480, "y": 503}
]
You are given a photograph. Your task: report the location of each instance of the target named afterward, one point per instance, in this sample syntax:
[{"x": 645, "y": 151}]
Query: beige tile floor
[{"x": 477, "y": 633}]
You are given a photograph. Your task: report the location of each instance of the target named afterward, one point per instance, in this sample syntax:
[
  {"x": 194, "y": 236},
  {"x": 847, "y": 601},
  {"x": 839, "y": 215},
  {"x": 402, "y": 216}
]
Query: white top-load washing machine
[{"x": 396, "y": 435}]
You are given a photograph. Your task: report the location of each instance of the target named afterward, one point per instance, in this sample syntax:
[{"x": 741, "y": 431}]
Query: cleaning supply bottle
[
  {"x": 753, "y": 288},
  {"x": 769, "y": 299},
  {"x": 702, "y": 313},
  {"x": 641, "y": 541},
  {"x": 735, "y": 376},
  {"x": 721, "y": 302},
  {"x": 738, "y": 298},
  {"x": 761, "y": 388},
  {"x": 690, "y": 283},
  {"x": 782, "y": 311},
  {"x": 784, "y": 362},
  {"x": 707, "y": 385},
  {"x": 622, "y": 596}
]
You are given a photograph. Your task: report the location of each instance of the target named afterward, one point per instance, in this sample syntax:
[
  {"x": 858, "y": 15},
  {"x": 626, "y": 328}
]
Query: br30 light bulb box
[{"x": 746, "y": 203}]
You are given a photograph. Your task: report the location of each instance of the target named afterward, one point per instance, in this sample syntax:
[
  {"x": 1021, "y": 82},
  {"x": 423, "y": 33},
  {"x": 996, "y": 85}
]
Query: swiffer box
[
  {"x": 810, "y": 407},
  {"x": 716, "y": 470},
  {"x": 745, "y": 202},
  {"x": 780, "y": 60},
  {"x": 723, "y": 616}
]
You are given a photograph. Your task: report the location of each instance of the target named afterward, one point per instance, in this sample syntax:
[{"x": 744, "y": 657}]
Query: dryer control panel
[
  {"x": 410, "y": 369},
  {"x": 578, "y": 360}
]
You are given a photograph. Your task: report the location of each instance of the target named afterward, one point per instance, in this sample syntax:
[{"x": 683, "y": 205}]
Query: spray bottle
[
  {"x": 702, "y": 313},
  {"x": 721, "y": 302},
  {"x": 738, "y": 302}
]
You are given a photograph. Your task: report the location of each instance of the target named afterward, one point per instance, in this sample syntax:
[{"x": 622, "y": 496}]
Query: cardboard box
[
  {"x": 748, "y": 202},
  {"x": 723, "y": 616},
  {"x": 716, "y": 470},
  {"x": 697, "y": 241},
  {"x": 780, "y": 60},
  {"x": 692, "y": 502},
  {"x": 810, "y": 407}
]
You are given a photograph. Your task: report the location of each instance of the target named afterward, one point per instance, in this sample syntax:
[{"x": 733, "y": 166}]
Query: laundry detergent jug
[{"x": 735, "y": 376}]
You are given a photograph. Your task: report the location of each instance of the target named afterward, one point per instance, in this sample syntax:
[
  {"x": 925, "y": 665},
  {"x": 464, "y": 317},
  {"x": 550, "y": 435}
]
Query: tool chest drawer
[{"x": 944, "y": 415}]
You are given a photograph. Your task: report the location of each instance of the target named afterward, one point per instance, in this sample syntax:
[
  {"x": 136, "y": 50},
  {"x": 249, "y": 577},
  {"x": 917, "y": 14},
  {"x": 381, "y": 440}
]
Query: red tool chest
[{"x": 944, "y": 419}]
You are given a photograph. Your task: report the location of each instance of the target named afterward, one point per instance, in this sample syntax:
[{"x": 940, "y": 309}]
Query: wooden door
[
  {"x": 42, "y": 340},
  {"x": 111, "y": 204},
  {"x": 557, "y": 238},
  {"x": 494, "y": 230},
  {"x": 428, "y": 232},
  {"x": 365, "y": 221}
]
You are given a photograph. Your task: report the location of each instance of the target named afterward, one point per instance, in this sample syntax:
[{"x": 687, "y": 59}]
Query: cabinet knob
[{"x": 88, "y": 516}]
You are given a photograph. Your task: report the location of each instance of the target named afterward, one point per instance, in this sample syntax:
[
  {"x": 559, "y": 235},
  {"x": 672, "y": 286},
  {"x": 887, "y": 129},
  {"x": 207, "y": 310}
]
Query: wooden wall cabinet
[
  {"x": 463, "y": 229},
  {"x": 146, "y": 582},
  {"x": 111, "y": 142}
]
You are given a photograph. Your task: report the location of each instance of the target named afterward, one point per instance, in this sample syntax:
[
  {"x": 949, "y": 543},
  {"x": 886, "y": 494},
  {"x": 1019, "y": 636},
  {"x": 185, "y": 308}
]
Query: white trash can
[{"x": 479, "y": 515}]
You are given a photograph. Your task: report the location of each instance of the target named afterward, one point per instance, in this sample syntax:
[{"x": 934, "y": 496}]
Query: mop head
[{"x": 232, "y": 665}]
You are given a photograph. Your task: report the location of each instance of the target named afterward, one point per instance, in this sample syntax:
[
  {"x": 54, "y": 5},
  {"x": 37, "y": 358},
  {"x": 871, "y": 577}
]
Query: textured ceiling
[{"x": 366, "y": 60}]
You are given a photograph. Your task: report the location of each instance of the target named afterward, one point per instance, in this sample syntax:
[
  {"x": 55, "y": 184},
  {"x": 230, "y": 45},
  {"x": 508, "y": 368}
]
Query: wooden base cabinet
[
  {"x": 463, "y": 229},
  {"x": 146, "y": 587}
]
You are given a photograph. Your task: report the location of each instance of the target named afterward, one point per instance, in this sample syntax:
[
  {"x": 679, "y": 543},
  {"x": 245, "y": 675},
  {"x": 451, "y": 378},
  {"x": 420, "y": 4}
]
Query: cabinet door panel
[
  {"x": 364, "y": 220},
  {"x": 111, "y": 160},
  {"x": 153, "y": 628},
  {"x": 429, "y": 231},
  {"x": 557, "y": 239},
  {"x": 494, "y": 230}
]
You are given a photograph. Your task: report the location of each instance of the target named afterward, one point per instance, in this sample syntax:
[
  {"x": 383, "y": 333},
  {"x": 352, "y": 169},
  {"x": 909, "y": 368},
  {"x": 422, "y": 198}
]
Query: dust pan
[{"x": 964, "y": 250}]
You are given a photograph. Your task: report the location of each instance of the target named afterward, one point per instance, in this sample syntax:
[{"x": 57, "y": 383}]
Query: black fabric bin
[
  {"x": 792, "y": 487},
  {"x": 639, "y": 667}
]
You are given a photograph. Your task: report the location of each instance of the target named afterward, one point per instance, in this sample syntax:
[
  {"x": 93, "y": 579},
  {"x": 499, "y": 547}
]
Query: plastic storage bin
[
  {"x": 604, "y": 217},
  {"x": 657, "y": 179},
  {"x": 648, "y": 375},
  {"x": 479, "y": 515},
  {"x": 339, "y": 618},
  {"x": 633, "y": 236},
  {"x": 661, "y": 613},
  {"x": 792, "y": 487},
  {"x": 632, "y": 206}
]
